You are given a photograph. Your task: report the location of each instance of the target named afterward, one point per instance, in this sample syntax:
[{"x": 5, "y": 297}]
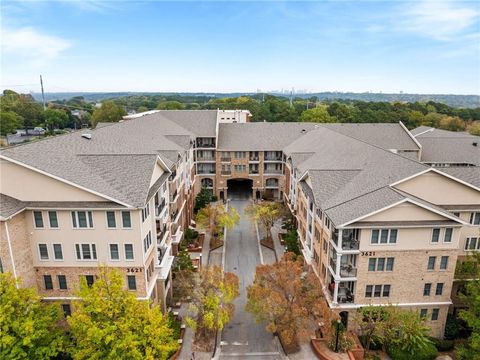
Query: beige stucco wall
[
  {"x": 440, "y": 190},
  {"x": 405, "y": 212}
]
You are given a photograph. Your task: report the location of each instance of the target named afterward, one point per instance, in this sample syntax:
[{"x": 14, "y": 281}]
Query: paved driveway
[{"x": 243, "y": 338}]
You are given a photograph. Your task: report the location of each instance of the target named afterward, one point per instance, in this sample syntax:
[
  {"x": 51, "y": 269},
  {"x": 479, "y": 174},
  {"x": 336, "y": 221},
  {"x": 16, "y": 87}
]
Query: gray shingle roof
[
  {"x": 470, "y": 174},
  {"x": 386, "y": 136},
  {"x": 9, "y": 206},
  {"x": 200, "y": 122},
  {"x": 117, "y": 162},
  {"x": 260, "y": 136}
]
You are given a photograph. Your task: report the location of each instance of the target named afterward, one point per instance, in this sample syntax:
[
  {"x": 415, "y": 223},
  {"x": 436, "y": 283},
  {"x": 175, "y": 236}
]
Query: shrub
[
  {"x": 452, "y": 328},
  {"x": 429, "y": 352},
  {"x": 291, "y": 242},
  {"x": 442, "y": 345},
  {"x": 191, "y": 235},
  {"x": 375, "y": 344}
]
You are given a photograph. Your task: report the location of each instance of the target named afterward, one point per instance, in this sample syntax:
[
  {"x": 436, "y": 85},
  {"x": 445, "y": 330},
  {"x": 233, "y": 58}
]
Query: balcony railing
[
  {"x": 205, "y": 171},
  {"x": 254, "y": 158},
  {"x": 173, "y": 196},
  {"x": 173, "y": 215},
  {"x": 161, "y": 231},
  {"x": 273, "y": 171},
  {"x": 253, "y": 172},
  {"x": 159, "y": 207},
  {"x": 205, "y": 158},
  {"x": 205, "y": 144},
  {"x": 348, "y": 271},
  {"x": 350, "y": 244},
  {"x": 226, "y": 172},
  {"x": 333, "y": 264},
  {"x": 345, "y": 295},
  {"x": 225, "y": 158}
]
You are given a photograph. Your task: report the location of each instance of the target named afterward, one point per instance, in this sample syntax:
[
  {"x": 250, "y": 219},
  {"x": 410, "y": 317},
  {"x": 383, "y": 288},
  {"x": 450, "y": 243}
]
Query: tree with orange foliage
[{"x": 288, "y": 297}]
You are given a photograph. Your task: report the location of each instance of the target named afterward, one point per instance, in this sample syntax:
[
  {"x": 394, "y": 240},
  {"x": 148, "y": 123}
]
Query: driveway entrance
[
  {"x": 243, "y": 338},
  {"x": 239, "y": 189}
]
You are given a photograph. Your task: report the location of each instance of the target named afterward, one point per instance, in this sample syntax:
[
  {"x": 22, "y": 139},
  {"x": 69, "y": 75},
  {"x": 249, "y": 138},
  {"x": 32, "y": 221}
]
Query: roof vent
[
  {"x": 87, "y": 136},
  {"x": 303, "y": 131},
  {"x": 475, "y": 144}
]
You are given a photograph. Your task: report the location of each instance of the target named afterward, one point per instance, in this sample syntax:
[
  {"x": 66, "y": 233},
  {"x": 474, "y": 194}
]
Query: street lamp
[{"x": 338, "y": 333}]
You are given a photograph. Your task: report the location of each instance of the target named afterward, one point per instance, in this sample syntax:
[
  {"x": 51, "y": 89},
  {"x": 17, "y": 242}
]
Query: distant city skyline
[{"x": 424, "y": 47}]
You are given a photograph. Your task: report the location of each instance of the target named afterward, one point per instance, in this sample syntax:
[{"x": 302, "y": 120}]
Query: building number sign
[
  {"x": 368, "y": 253},
  {"x": 134, "y": 270}
]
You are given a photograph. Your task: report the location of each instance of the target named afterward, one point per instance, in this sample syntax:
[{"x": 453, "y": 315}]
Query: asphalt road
[{"x": 243, "y": 338}]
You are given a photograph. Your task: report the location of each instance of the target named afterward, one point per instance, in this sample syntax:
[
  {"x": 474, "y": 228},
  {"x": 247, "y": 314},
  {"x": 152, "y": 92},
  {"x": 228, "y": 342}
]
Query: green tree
[
  {"x": 474, "y": 129},
  {"x": 291, "y": 242},
  {"x": 142, "y": 109},
  {"x": 452, "y": 123},
  {"x": 55, "y": 118},
  {"x": 29, "y": 327},
  {"x": 212, "y": 302},
  {"x": 203, "y": 198},
  {"x": 9, "y": 122},
  {"x": 266, "y": 213},
  {"x": 472, "y": 316},
  {"x": 183, "y": 273},
  {"x": 108, "y": 112},
  {"x": 110, "y": 323},
  {"x": 319, "y": 114},
  {"x": 170, "y": 105},
  {"x": 215, "y": 217}
]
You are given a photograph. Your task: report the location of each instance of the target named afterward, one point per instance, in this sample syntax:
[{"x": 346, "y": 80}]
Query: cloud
[
  {"x": 35, "y": 47},
  {"x": 442, "y": 20}
]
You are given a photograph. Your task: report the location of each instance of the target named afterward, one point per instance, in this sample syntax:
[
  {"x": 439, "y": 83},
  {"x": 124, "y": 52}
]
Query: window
[
  {"x": 82, "y": 219},
  {"x": 439, "y": 289},
  {"x": 444, "y": 263},
  {"x": 447, "y": 237},
  {"x": 67, "y": 311},
  {"x": 472, "y": 243},
  {"x": 147, "y": 242},
  {"x": 114, "y": 253},
  {"x": 384, "y": 236},
  {"x": 371, "y": 264},
  {"x": 377, "y": 290},
  {"x": 386, "y": 291},
  {"x": 38, "y": 217},
  {"x": 52, "y": 219},
  {"x": 86, "y": 251},
  {"x": 111, "y": 223},
  {"x": 435, "y": 314},
  {"x": 431, "y": 262},
  {"x": 90, "y": 279},
  {"x": 423, "y": 313},
  {"x": 126, "y": 220},
  {"x": 62, "y": 282},
  {"x": 132, "y": 283},
  {"x": 426, "y": 289},
  {"x": 47, "y": 280},
  {"x": 368, "y": 291},
  {"x": 43, "y": 251},
  {"x": 380, "y": 264},
  {"x": 390, "y": 261},
  {"x": 145, "y": 212},
  {"x": 57, "y": 251},
  {"x": 128, "y": 252},
  {"x": 435, "y": 235},
  {"x": 327, "y": 222},
  {"x": 475, "y": 218}
]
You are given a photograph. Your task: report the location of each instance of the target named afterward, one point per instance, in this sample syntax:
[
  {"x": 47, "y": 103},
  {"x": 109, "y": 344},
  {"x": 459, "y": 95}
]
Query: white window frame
[
  {"x": 477, "y": 243},
  {"x": 133, "y": 252},
  {"x": 40, "y": 254},
  {"x": 434, "y": 263},
  {"x": 389, "y": 236},
  {"x": 130, "y": 215},
  {"x": 90, "y": 245},
  {"x": 440, "y": 265},
  {"x": 472, "y": 218},
  {"x": 445, "y": 235},
  {"x": 110, "y": 252},
  {"x": 439, "y": 236},
  {"x": 114, "y": 219},
  {"x": 128, "y": 283},
  {"x": 35, "y": 223},
  {"x": 90, "y": 225},
  {"x": 53, "y": 252},
  {"x": 49, "y": 221}
]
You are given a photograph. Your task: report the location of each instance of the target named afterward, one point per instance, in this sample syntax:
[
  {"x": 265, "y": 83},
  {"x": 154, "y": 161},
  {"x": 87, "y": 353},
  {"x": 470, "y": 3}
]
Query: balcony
[
  {"x": 205, "y": 143},
  {"x": 203, "y": 171},
  {"x": 350, "y": 239},
  {"x": 161, "y": 232},
  {"x": 272, "y": 171},
  {"x": 226, "y": 172},
  {"x": 174, "y": 196},
  {"x": 345, "y": 295},
  {"x": 273, "y": 156},
  {"x": 348, "y": 271},
  {"x": 159, "y": 208},
  {"x": 226, "y": 159},
  {"x": 333, "y": 264},
  {"x": 177, "y": 235},
  {"x": 253, "y": 172},
  {"x": 205, "y": 158},
  {"x": 173, "y": 215}
]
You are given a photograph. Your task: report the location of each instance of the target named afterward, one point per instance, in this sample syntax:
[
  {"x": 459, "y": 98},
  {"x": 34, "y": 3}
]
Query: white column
[{"x": 335, "y": 293}]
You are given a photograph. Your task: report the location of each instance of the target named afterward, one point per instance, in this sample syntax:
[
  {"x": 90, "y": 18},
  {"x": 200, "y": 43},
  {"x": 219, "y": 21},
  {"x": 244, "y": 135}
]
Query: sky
[{"x": 423, "y": 46}]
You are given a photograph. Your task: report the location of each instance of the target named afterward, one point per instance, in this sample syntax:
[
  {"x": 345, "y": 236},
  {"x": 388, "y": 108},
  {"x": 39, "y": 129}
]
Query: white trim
[
  {"x": 48, "y": 217},
  {"x": 411, "y": 135},
  {"x": 435, "y": 170},
  {"x": 356, "y": 306},
  {"x": 372, "y": 213},
  {"x": 40, "y": 255},
  {"x": 110, "y": 252},
  {"x": 53, "y": 252},
  {"x": 444, "y": 214},
  {"x": 130, "y": 216},
  {"x": 11, "y": 254},
  {"x": 64, "y": 181},
  {"x": 90, "y": 226},
  {"x": 133, "y": 251},
  {"x": 106, "y": 220},
  {"x": 35, "y": 222},
  {"x": 424, "y": 132},
  {"x": 439, "y": 236},
  {"x": 13, "y": 215}
]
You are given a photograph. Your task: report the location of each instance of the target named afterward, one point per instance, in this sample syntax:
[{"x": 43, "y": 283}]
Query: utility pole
[{"x": 43, "y": 94}]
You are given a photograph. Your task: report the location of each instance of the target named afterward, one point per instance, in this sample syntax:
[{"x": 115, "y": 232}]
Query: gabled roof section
[
  {"x": 260, "y": 136},
  {"x": 384, "y": 135},
  {"x": 202, "y": 123}
]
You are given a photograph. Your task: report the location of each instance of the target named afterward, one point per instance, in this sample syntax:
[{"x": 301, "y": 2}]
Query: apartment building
[{"x": 378, "y": 224}]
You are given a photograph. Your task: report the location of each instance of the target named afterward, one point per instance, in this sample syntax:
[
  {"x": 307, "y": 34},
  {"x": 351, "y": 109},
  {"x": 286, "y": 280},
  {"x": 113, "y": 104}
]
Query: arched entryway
[{"x": 240, "y": 189}]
